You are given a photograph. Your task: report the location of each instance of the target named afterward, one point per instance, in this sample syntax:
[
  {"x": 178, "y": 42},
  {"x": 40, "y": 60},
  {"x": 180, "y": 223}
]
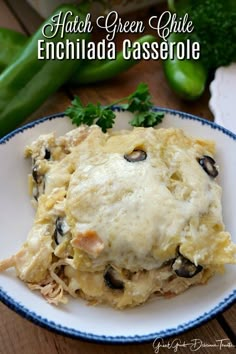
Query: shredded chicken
[
  {"x": 90, "y": 242},
  {"x": 58, "y": 279},
  {"x": 7, "y": 263},
  {"x": 51, "y": 290}
]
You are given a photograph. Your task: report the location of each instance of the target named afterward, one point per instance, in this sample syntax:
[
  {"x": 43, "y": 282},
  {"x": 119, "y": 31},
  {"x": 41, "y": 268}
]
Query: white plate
[
  {"x": 222, "y": 102},
  {"x": 157, "y": 318}
]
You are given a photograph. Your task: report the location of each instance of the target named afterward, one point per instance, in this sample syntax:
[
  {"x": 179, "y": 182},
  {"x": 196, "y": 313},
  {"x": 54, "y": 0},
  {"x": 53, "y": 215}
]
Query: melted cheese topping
[
  {"x": 143, "y": 210},
  {"x": 96, "y": 210}
]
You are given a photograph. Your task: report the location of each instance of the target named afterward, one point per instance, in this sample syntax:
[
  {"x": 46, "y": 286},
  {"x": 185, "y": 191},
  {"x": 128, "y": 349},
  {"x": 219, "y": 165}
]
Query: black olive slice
[
  {"x": 36, "y": 175},
  {"x": 184, "y": 268},
  {"x": 59, "y": 225},
  {"x": 136, "y": 156},
  {"x": 47, "y": 154},
  {"x": 60, "y": 230},
  {"x": 208, "y": 164},
  {"x": 36, "y": 193},
  {"x": 111, "y": 279}
]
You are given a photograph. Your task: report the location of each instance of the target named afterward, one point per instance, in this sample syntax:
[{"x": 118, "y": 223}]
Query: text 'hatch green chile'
[{"x": 27, "y": 82}]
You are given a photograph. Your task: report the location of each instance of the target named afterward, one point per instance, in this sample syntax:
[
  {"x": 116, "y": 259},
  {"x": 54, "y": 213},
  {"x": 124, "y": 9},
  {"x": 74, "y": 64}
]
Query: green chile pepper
[
  {"x": 27, "y": 82},
  {"x": 11, "y": 44},
  {"x": 186, "y": 77},
  {"x": 100, "y": 70}
]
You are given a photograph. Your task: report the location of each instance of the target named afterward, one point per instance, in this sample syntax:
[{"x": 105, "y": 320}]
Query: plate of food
[{"x": 121, "y": 236}]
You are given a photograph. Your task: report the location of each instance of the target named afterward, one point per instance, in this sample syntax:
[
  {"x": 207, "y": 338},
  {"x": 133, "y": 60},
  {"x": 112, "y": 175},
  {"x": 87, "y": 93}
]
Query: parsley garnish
[
  {"x": 147, "y": 119},
  {"x": 90, "y": 114},
  {"x": 138, "y": 103}
]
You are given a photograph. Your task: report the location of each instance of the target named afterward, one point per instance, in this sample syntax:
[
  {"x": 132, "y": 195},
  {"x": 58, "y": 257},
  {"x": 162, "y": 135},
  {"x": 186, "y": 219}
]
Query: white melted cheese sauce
[{"x": 143, "y": 210}]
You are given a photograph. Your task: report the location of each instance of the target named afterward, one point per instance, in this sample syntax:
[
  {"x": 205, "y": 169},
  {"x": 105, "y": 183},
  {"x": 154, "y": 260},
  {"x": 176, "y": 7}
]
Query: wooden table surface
[{"x": 17, "y": 335}]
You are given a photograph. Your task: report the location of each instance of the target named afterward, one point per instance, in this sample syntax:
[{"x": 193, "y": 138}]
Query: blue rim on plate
[{"x": 70, "y": 332}]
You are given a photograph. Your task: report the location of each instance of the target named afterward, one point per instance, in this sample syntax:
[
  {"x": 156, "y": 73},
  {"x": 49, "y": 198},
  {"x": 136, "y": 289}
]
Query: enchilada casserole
[{"x": 122, "y": 216}]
